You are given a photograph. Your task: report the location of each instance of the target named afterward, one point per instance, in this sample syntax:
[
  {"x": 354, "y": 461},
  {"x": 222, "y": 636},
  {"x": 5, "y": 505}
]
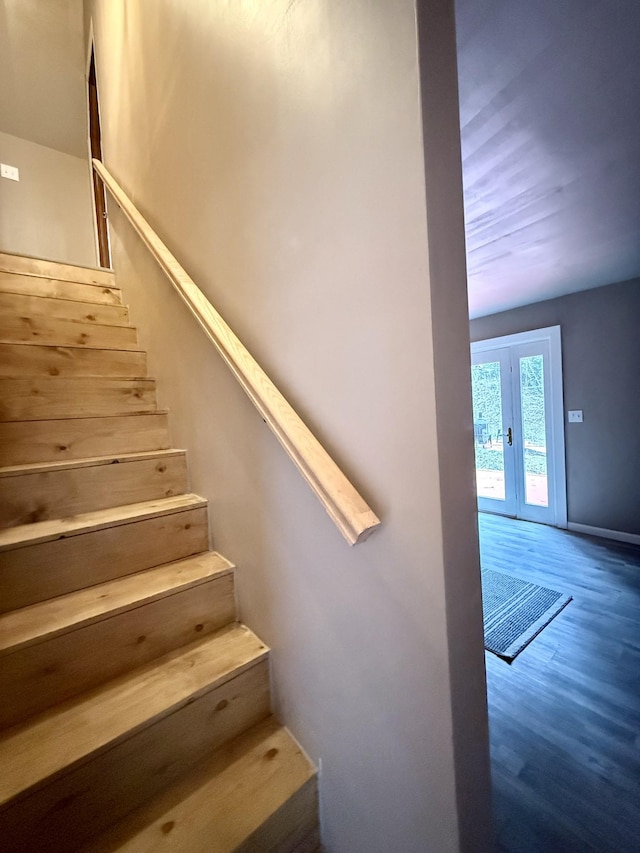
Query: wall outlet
[
  {"x": 10, "y": 172},
  {"x": 575, "y": 416}
]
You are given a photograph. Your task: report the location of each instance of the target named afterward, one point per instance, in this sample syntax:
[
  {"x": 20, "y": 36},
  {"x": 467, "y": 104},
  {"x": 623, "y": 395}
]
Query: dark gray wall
[{"x": 601, "y": 366}]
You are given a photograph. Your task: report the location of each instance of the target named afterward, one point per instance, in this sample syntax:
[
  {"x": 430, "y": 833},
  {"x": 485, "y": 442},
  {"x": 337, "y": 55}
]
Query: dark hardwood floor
[{"x": 565, "y": 716}]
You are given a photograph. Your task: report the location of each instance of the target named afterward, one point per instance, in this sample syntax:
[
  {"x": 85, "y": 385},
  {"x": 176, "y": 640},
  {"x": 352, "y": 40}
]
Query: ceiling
[
  {"x": 550, "y": 118},
  {"x": 42, "y": 66}
]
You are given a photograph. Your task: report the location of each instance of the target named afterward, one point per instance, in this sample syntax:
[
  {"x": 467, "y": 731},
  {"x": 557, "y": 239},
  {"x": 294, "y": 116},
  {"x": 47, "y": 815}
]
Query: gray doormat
[{"x": 515, "y": 612}]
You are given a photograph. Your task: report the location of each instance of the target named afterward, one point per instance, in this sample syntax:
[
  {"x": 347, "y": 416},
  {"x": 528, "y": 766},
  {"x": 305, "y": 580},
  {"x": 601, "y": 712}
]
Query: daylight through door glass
[
  {"x": 534, "y": 441},
  {"x": 487, "y": 430}
]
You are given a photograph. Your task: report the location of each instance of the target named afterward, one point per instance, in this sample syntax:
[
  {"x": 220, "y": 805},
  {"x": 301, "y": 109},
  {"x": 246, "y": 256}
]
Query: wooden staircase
[{"x": 135, "y": 710}]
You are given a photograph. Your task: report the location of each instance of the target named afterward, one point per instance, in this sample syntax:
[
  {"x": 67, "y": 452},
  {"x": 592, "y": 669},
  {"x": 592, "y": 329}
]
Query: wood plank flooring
[{"x": 565, "y": 716}]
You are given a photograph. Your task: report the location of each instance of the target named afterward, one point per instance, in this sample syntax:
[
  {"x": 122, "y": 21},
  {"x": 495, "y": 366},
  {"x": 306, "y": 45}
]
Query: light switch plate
[
  {"x": 10, "y": 172},
  {"x": 575, "y": 416}
]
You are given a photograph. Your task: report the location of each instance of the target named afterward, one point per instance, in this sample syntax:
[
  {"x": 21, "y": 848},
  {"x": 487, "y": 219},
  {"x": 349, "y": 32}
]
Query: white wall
[
  {"x": 43, "y": 117},
  {"x": 48, "y": 213},
  {"x": 447, "y": 275},
  {"x": 600, "y": 358},
  {"x": 278, "y": 150},
  {"x": 42, "y": 68}
]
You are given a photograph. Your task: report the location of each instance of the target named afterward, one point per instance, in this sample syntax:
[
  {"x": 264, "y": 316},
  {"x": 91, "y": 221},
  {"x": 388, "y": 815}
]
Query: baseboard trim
[{"x": 618, "y": 535}]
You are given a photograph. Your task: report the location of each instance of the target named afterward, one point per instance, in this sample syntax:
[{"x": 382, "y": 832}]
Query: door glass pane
[
  {"x": 487, "y": 430},
  {"x": 533, "y": 430}
]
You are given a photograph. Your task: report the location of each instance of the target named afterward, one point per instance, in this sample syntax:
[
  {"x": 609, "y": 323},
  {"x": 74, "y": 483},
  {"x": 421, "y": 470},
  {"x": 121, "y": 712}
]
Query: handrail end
[{"x": 355, "y": 536}]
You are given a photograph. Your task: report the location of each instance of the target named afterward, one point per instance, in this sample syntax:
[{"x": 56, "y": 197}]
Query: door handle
[{"x": 509, "y": 437}]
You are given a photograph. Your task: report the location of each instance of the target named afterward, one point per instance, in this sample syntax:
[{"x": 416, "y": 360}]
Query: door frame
[
  {"x": 552, "y": 334},
  {"x": 94, "y": 149}
]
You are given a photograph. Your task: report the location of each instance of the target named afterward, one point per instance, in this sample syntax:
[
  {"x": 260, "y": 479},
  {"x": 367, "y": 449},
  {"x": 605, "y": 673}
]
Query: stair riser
[
  {"x": 37, "y": 676},
  {"x": 49, "y": 398},
  {"x": 263, "y": 768},
  {"x": 23, "y": 442},
  {"x": 57, "y": 289},
  {"x": 46, "y": 330},
  {"x": 22, "y": 360},
  {"x": 47, "y": 569},
  {"x": 293, "y": 828},
  {"x": 54, "y": 269},
  {"x": 28, "y": 498},
  {"x": 66, "y": 812},
  {"x": 22, "y": 305}
]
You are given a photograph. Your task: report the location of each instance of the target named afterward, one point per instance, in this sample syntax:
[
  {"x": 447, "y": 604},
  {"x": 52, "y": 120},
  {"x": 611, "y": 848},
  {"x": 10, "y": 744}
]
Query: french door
[{"x": 518, "y": 426}]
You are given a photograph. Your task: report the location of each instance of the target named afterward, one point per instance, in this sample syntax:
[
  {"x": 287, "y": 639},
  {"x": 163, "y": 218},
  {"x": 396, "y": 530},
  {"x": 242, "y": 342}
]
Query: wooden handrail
[{"x": 355, "y": 519}]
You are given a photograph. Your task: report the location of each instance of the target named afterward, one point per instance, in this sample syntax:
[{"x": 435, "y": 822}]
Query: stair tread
[
  {"x": 87, "y": 462},
  {"x": 61, "y": 381},
  {"x": 91, "y": 324},
  {"x": 47, "y": 268},
  {"x": 77, "y": 321},
  {"x": 79, "y": 347},
  {"x": 222, "y": 802},
  {"x": 128, "y": 347},
  {"x": 61, "y": 528},
  {"x": 95, "y": 417},
  {"x": 70, "y": 734},
  {"x": 39, "y": 622},
  {"x": 31, "y": 285}
]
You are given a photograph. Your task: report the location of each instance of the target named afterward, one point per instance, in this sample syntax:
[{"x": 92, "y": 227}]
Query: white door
[{"x": 518, "y": 426}]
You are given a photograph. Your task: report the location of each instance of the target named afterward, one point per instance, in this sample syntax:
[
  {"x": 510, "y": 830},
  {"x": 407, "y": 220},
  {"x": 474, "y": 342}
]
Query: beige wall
[
  {"x": 43, "y": 132},
  {"x": 447, "y": 275},
  {"x": 277, "y": 148},
  {"x": 48, "y": 213},
  {"x": 42, "y": 68},
  {"x": 600, "y": 358}
]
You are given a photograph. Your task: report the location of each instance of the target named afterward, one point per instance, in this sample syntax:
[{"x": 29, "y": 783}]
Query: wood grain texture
[
  {"x": 53, "y": 287},
  {"x": 39, "y": 492},
  {"x": 62, "y": 309},
  {"x": 119, "y": 626},
  {"x": 48, "y": 746},
  {"x": 47, "y": 559},
  {"x": 64, "y": 528},
  {"x": 26, "y": 359},
  {"x": 121, "y": 665},
  {"x": 54, "y": 269},
  {"x": 565, "y": 716},
  {"x": 344, "y": 504},
  {"x": 142, "y": 763},
  {"x": 23, "y": 442},
  {"x": 312, "y": 843},
  {"x": 294, "y": 825},
  {"x": 52, "y": 397},
  {"x": 257, "y": 794},
  {"x": 49, "y": 619},
  {"x": 41, "y": 329}
]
